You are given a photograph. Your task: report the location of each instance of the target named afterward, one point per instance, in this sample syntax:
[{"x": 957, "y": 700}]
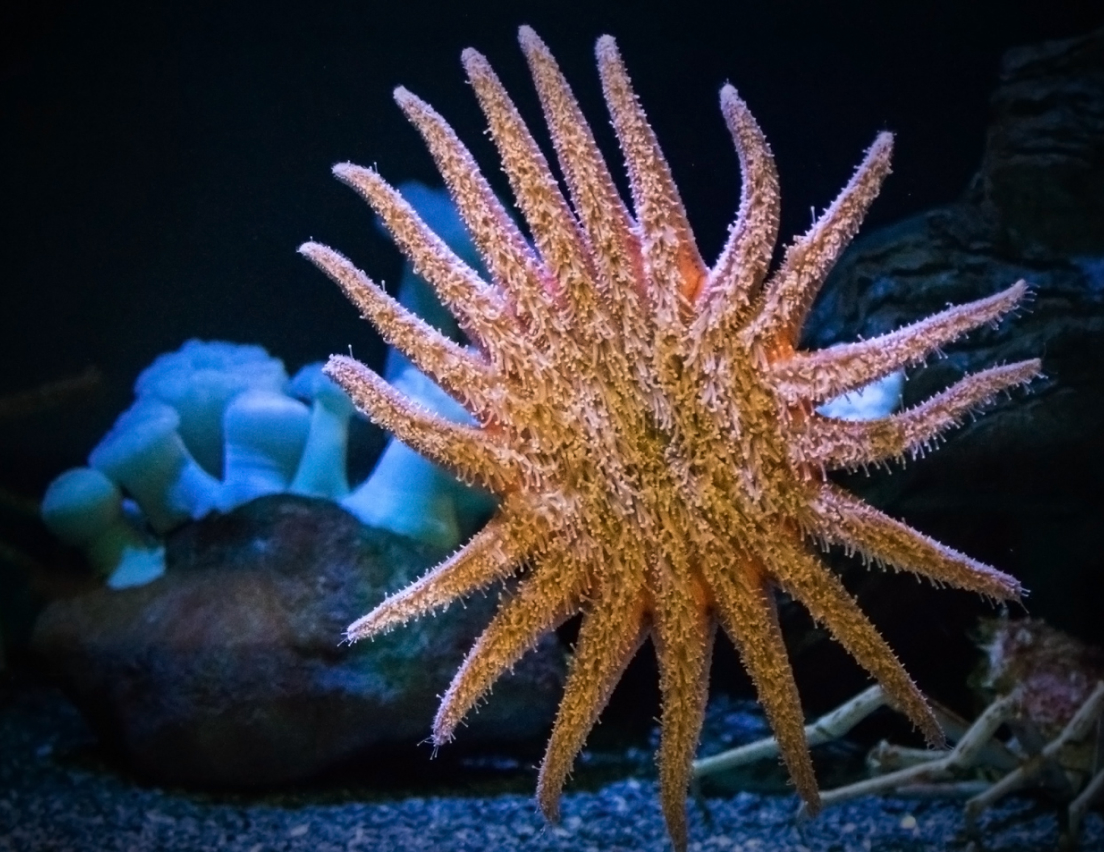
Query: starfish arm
[
  {"x": 671, "y": 258},
  {"x": 826, "y": 373},
  {"x": 805, "y": 578},
  {"x": 747, "y": 612},
  {"x": 501, "y": 244},
  {"x": 742, "y": 266},
  {"x": 683, "y": 637},
  {"x": 466, "y": 451},
  {"x": 551, "y": 222},
  {"x": 792, "y": 289},
  {"x": 854, "y": 443},
  {"x": 543, "y": 601},
  {"x": 607, "y": 226},
  {"x": 492, "y": 554},
  {"x": 840, "y": 518},
  {"x": 606, "y": 222},
  {"x": 612, "y": 630},
  {"x": 450, "y": 365},
  {"x": 480, "y": 311}
]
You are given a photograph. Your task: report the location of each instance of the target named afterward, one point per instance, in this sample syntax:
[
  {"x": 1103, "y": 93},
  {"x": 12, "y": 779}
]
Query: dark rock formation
[
  {"x": 1023, "y": 486},
  {"x": 229, "y": 669}
]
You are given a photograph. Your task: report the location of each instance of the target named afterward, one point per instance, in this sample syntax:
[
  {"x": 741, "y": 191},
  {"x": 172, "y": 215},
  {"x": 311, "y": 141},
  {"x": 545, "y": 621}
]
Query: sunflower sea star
[{"x": 647, "y": 421}]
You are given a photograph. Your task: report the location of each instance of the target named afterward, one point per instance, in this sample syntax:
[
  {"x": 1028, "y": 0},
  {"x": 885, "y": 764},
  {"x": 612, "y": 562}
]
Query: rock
[
  {"x": 1041, "y": 172},
  {"x": 1020, "y": 487},
  {"x": 229, "y": 669}
]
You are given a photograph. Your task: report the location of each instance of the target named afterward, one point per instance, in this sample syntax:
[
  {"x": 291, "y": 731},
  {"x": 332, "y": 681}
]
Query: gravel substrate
[{"x": 54, "y": 795}]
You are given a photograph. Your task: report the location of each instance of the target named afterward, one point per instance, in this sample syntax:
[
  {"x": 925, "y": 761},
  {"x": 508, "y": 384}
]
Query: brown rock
[{"x": 230, "y": 669}]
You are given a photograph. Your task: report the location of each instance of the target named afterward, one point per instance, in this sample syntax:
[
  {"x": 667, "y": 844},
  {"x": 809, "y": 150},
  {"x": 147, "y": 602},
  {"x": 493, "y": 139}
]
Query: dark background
[{"x": 163, "y": 161}]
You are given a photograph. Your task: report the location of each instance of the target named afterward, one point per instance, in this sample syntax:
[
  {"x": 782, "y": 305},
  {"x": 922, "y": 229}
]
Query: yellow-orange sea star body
[{"x": 648, "y": 422}]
